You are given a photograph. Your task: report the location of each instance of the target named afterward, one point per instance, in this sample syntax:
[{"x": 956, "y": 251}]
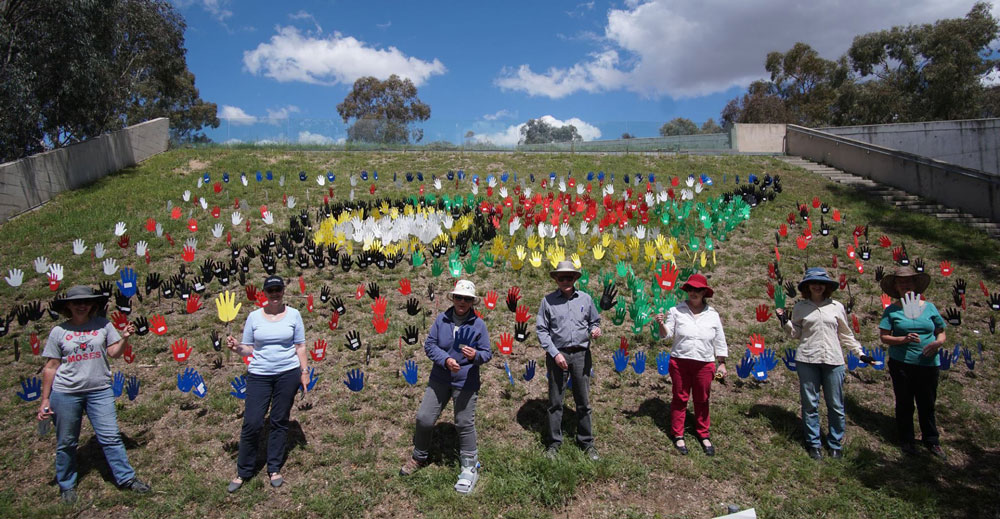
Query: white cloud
[
  {"x": 236, "y": 116},
  {"x": 500, "y": 114},
  {"x": 510, "y": 135},
  {"x": 218, "y": 9},
  {"x": 302, "y": 14},
  {"x": 385, "y": 25},
  {"x": 307, "y": 137},
  {"x": 231, "y": 142},
  {"x": 279, "y": 116},
  {"x": 688, "y": 49},
  {"x": 291, "y": 55}
]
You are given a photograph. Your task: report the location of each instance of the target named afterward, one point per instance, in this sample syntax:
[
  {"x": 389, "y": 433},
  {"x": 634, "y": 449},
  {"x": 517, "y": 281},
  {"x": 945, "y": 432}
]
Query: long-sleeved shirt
[
  {"x": 566, "y": 322},
  {"x": 821, "y": 329},
  {"x": 696, "y": 336},
  {"x": 442, "y": 344}
]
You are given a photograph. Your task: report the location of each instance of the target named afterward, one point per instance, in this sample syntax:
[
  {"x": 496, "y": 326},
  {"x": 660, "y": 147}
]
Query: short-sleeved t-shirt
[
  {"x": 899, "y": 325},
  {"x": 82, "y": 351},
  {"x": 273, "y": 342}
]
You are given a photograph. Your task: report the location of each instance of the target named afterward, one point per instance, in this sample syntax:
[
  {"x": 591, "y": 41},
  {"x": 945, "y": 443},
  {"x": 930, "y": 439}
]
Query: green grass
[{"x": 346, "y": 448}]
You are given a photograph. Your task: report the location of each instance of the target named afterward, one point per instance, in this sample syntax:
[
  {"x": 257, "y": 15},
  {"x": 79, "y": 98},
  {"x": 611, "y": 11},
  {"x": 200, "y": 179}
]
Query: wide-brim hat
[
  {"x": 818, "y": 275},
  {"x": 464, "y": 287},
  {"x": 565, "y": 267},
  {"x": 921, "y": 281},
  {"x": 78, "y": 293},
  {"x": 697, "y": 281}
]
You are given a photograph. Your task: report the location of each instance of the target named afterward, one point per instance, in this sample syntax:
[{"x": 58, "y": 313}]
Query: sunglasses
[
  {"x": 467, "y": 299},
  {"x": 566, "y": 278},
  {"x": 274, "y": 290}
]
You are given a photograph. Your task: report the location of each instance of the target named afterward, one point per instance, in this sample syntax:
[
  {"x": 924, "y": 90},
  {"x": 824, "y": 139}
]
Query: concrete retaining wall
[
  {"x": 973, "y": 144},
  {"x": 32, "y": 181},
  {"x": 759, "y": 138},
  {"x": 954, "y": 186}
]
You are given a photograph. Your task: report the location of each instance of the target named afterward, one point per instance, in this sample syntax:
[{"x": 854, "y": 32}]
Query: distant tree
[
  {"x": 807, "y": 83},
  {"x": 537, "y": 131},
  {"x": 759, "y": 105},
  {"x": 711, "y": 127},
  {"x": 627, "y": 135},
  {"x": 70, "y": 71},
  {"x": 383, "y": 110},
  {"x": 679, "y": 126}
]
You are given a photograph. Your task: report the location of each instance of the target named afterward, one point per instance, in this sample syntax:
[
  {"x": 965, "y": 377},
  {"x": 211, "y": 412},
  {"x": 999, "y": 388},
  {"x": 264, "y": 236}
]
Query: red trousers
[{"x": 690, "y": 379}]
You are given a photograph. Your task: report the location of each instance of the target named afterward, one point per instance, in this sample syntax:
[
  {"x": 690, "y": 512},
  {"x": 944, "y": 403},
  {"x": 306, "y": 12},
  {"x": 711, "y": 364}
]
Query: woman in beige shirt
[{"x": 820, "y": 324}]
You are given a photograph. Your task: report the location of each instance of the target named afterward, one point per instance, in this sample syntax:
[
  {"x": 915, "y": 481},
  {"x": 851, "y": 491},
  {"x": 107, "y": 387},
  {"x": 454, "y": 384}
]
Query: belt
[{"x": 573, "y": 349}]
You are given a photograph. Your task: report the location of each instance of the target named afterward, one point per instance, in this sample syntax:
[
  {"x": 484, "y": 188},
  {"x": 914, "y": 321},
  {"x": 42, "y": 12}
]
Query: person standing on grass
[
  {"x": 276, "y": 338},
  {"x": 77, "y": 379},
  {"x": 820, "y": 324},
  {"x": 457, "y": 343},
  {"x": 567, "y": 320},
  {"x": 914, "y": 331},
  {"x": 699, "y": 342}
]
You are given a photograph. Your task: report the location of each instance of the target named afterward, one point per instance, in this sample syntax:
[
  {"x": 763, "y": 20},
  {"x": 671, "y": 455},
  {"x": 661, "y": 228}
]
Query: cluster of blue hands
[{"x": 192, "y": 381}]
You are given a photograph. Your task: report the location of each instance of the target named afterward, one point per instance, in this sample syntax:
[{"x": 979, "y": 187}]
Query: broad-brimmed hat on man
[
  {"x": 565, "y": 267},
  {"x": 920, "y": 281}
]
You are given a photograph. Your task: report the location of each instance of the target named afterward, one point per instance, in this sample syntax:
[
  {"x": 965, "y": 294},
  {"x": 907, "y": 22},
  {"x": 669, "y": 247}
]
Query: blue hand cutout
[
  {"x": 956, "y": 352},
  {"x": 745, "y": 366},
  {"x": 355, "y": 380},
  {"x": 127, "y": 286},
  {"x": 312, "y": 380},
  {"x": 31, "y": 389},
  {"x": 118, "y": 384},
  {"x": 945, "y": 357},
  {"x": 621, "y": 360},
  {"x": 768, "y": 360},
  {"x": 969, "y": 361},
  {"x": 185, "y": 380},
  {"x": 663, "y": 363},
  {"x": 510, "y": 376},
  {"x": 132, "y": 388},
  {"x": 239, "y": 387},
  {"x": 639, "y": 364},
  {"x": 789, "y": 359},
  {"x": 853, "y": 362},
  {"x": 198, "y": 388},
  {"x": 879, "y": 355},
  {"x": 465, "y": 336},
  {"x": 410, "y": 372},
  {"x": 529, "y": 370}
]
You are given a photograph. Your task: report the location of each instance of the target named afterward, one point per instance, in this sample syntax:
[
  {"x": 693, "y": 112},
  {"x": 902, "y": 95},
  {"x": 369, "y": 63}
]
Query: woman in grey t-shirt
[{"x": 77, "y": 378}]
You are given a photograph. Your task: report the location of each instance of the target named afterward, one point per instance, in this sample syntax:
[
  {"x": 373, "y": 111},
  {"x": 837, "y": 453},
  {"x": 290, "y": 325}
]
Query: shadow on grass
[
  {"x": 782, "y": 420},
  {"x": 90, "y": 457},
  {"x": 876, "y": 423},
  {"x": 656, "y": 410},
  {"x": 534, "y": 416}
]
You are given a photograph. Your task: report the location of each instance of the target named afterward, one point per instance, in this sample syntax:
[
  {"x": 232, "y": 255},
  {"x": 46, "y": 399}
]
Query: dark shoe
[
  {"x": 276, "y": 479},
  {"x": 591, "y": 452},
  {"x": 552, "y": 451},
  {"x": 137, "y": 486},
  {"x": 234, "y": 485},
  {"x": 411, "y": 466},
  {"x": 706, "y": 445},
  {"x": 68, "y": 496},
  {"x": 815, "y": 453},
  {"x": 909, "y": 449},
  {"x": 937, "y": 451},
  {"x": 836, "y": 454},
  {"x": 680, "y": 448}
]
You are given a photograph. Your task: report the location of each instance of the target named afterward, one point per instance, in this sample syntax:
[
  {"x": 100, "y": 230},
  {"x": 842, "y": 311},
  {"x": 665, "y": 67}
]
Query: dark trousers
[
  {"x": 910, "y": 383},
  {"x": 263, "y": 391},
  {"x": 579, "y": 369}
]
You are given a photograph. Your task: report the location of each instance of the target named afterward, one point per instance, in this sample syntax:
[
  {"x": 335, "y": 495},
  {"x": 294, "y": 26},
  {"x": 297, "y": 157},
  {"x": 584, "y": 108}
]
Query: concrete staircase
[{"x": 896, "y": 197}]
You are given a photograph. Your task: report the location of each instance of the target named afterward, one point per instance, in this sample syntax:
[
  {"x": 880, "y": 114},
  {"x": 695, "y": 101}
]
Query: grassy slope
[{"x": 347, "y": 447}]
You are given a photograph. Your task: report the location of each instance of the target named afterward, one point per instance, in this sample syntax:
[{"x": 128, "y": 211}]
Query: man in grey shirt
[{"x": 567, "y": 320}]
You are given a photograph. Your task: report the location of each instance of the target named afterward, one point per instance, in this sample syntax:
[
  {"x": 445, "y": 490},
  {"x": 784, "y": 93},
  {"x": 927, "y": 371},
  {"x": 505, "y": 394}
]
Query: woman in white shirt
[
  {"x": 699, "y": 342},
  {"x": 820, "y": 324}
]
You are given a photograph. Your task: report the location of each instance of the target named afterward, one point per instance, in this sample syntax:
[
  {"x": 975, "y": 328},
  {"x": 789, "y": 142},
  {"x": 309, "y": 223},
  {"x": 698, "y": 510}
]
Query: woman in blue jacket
[{"x": 458, "y": 343}]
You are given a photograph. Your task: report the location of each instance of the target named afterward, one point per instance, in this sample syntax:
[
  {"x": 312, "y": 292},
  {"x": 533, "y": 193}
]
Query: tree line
[{"x": 75, "y": 69}]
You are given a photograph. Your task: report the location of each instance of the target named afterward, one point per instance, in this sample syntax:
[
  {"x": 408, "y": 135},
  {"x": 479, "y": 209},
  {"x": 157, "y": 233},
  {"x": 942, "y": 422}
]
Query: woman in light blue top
[{"x": 275, "y": 336}]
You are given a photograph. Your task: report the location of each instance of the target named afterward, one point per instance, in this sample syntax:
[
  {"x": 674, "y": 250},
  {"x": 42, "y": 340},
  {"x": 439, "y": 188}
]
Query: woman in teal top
[{"x": 914, "y": 330}]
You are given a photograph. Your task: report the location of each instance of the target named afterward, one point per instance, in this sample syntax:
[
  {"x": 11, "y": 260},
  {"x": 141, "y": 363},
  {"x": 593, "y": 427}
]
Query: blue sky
[{"x": 278, "y": 69}]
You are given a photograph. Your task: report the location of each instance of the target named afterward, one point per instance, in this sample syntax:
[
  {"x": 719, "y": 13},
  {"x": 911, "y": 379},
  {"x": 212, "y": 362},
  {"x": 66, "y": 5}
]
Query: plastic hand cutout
[
  {"x": 789, "y": 359},
  {"x": 911, "y": 305},
  {"x": 338, "y": 304},
  {"x": 118, "y": 384},
  {"x": 763, "y": 313},
  {"x": 876, "y": 357},
  {"x": 353, "y": 341},
  {"x": 521, "y": 315},
  {"x": 944, "y": 355},
  {"x": 127, "y": 285},
  {"x": 226, "y": 305},
  {"x": 969, "y": 361},
  {"x": 185, "y": 380},
  {"x": 529, "y": 371},
  {"x": 756, "y": 345},
  {"x": 621, "y": 361},
  {"x": 41, "y": 264},
  {"x": 120, "y": 229},
  {"x": 355, "y": 380},
  {"x": 132, "y": 388},
  {"x": 745, "y": 367},
  {"x": 639, "y": 363},
  {"x": 608, "y": 297},
  {"x": 505, "y": 344},
  {"x": 667, "y": 276},
  {"x": 110, "y": 266},
  {"x": 768, "y": 360},
  {"x": 521, "y": 332},
  {"x": 181, "y": 350},
  {"x": 79, "y": 246},
  {"x": 15, "y": 277},
  {"x": 193, "y": 303},
  {"x": 513, "y": 296},
  {"x": 953, "y": 316},
  {"x": 410, "y": 372},
  {"x": 663, "y": 363},
  {"x": 239, "y": 387},
  {"x": 380, "y": 323},
  {"x": 313, "y": 379},
  {"x": 158, "y": 325},
  {"x": 119, "y": 320},
  {"x": 318, "y": 351},
  {"x": 853, "y": 362},
  {"x": 946, "y": 268},
  {"x": 31, "y": 389}
]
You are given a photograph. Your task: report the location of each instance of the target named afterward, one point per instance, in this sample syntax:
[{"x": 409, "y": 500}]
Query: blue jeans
[
  {"x": 100, "y": 408},
  {"x": 830, "y": 378}
]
